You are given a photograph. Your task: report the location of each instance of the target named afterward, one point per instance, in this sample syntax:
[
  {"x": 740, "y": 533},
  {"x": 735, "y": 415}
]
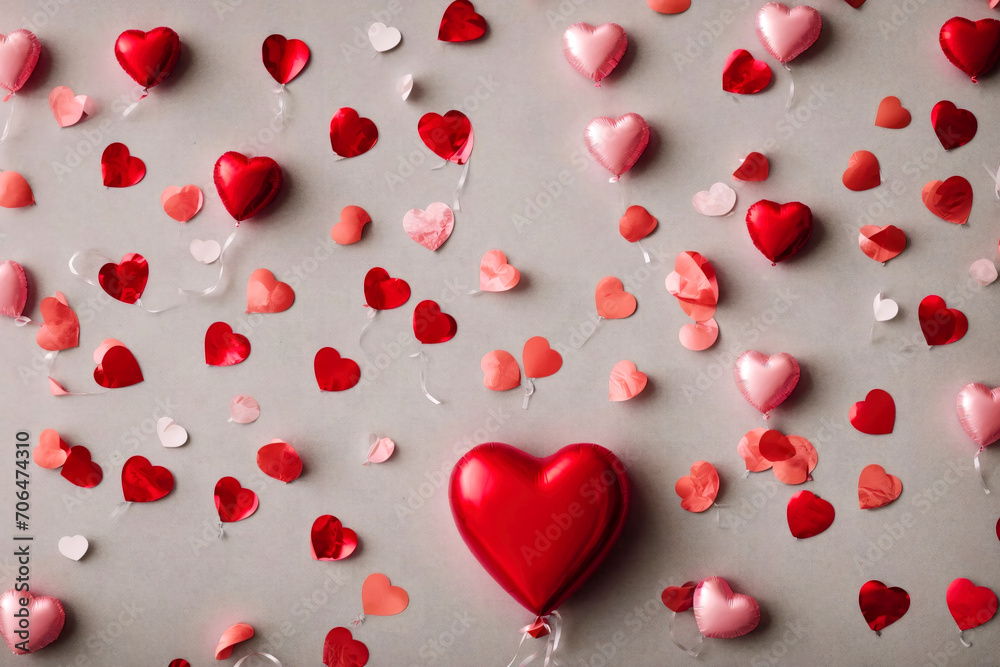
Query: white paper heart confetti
[
  {"x": 383, "y": 38},
  {"x": 73, "y": 547},
  {"x": 983, "y": 271},
  {"x": 244, "y": 409},
  {"x": 885, "y": 309},
  {"x": 380, "y": 451},
  {"x": 205, "y": 252},
  {"x": 171, "y": 433},
  {"x": 716, "y": 201},
  {"x": 404, "y": 85}
]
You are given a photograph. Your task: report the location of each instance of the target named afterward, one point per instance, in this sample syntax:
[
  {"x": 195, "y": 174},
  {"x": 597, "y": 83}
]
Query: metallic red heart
[
  {"x": 954, "y": 127},
  {"x": 754, "y": 168},
  {"x": 430, "y": 325},
  {"x": 351, "y": 135},
  {"x": 971, "y": 47},
  {"x": 329, "y": 540},
  {"x": 448, "y": 136},
  {"x": 245, "y": 185},
  {"x": 279, "y": 460},
  {"x": 126, "y": 280},
  {"x": 876, "y": 415},
  {"x": 284, "y": 58},
  {"x": 143, "y": 482},
  {"x": 941, "y": 325},
  {"x": 461, "y": 23},
  {"x": 223, "y": 347},
  {"x": 779, "y": 230},
  {"x": 232, "y": 501},
  {"x": 744, "y": 75},
  {"x": 882, "y": 606},
  {"x": 950, "y": 200},
  {"x": 148, "y": 57},
  {"x": 119, "y": 169},
  {"x": 80, "y": 470},
  {"x": 340, "y": 649},
  {"x": 808, "y": 515},
  {"x": 118, "y": 368},
  {"x": 333, "y": 372},
  {"x": 383, "y": 292},
  {"x": 679, "y": 599},
  {"x": 970, "y": 605}
]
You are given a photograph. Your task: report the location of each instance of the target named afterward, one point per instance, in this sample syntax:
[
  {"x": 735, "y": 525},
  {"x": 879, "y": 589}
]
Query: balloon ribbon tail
[
  {"x": 10, "y": 117},
  {"x": 222, "y": 269},
  {"x": 645, "y": 255},
  {"x": 131, "y": 107},
  {"x": 423, "y": 376},
  {"x": 528, "y": 391},
  {"x": 692, "y": 651},
  {"x": 961, "y": 638},
  {"x": 979, "y": 470},
  {"x": 461, "y": 185}
]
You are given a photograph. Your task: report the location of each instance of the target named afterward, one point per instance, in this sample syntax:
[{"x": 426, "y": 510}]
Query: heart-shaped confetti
[
  {"x": 142, "y": 482},
  {"x": 495, "y": 274},
  {"x": 333, "y": 372},
  {"x": 679, "y": 599},
  {"x": 352, "y": 222},
  {"x": 941, "y": 325},
  {"x": 754, "y": 168},
  {"x": 891, "y": 114},
  {"x": 717, "y": 201},
  {"x": 284, "y": 58},
  {"x": 330, "y": 540},
  {"x": 234, "y": 634},
  {"x": 881, "y": 243},
  {"x": 182, "y": 203},
  {"x": 117, "y": 368},
  {"x": 775, "y": 446},
  {"x": 954, "y": 127},
  {"x": 884, "y": 309},
  {"x": 267, "y": 295},
  {"x": 743, "y": 75},
  {"x": 383, "y": 292},
  {"x": 449, "y": 136},
  {"x": 431, "y": 227},
  {"x": 14, "y": 190},
  {"x": 636, "y": 224},
  {"x": 232, "y": 501},
  {"x": 120, "y": 169},
  {"x": 67, "y": 107},
  {"x": 698, "y": 490},
  {"x": 340, "y": 649},
  {"x": 699, "y": 336},
  {"x": 950, "y": 200},
  {"x": 970, "y": 605},
  {"x": 430, "y": 325},
  {"x": 279, "y": 460},
  {"x": 749, "y": 450},
  {"x": 808, "y": 515},
  {"x": 862, "y": 172},
  {"x": 461, "y": 23},
  {"x": 60, "y": 329},
  {"x": 796, "y": 470},
  {"x": 876, "y": 415},
  {"x": 380, "y": 598},
  {"x": 223, "y": 347},
  {"x": 126, "y": 280},
  {"x": 205, "y": 252},
  {"x": 13, "y": 288},
  {"x": 539, "y": 359},
  {"x": 500, "y": 371},
  {"x": 694, "y": 284},
  {"x": 380, "y": 450},
  {"x": 882, "y": 606},
  {"x": 350, "y": 134},
  {"x": 669, "y": 6},
  {"x": 73, "y": 547},
  {"x": 244, "y": 409},
  {"x": 404, "y": 86},
  {"x": 170, "y": 433},
  {"x": 51, "y": 451},
  {"x": 876, "y": 488},
  {"x": 80, "y": 469},
  {"x": 626, "y": 381},
  {"x": 983, "y": 271},
  {"x": 613, "y": 302},
  {"x": 383, "y": 38}
]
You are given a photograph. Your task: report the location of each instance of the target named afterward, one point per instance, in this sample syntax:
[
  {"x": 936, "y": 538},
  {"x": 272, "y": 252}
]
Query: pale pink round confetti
[
  {"x": 626, "y": 381},
  {"x": 983, "y": 271},
  {"x": 380, "y": 450},
  {"x": 432, "y": 227},
  {"x": 699, "y": 335},
  {"x": 244, "y": 409}
]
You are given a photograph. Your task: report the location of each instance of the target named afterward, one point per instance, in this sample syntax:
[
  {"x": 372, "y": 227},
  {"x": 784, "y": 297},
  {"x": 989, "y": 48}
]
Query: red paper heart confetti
[
  {"x": 881, "y": 243},
  {"x": 329, "y": 540},
  {"x": 882, "y": 606},
  {"x": 246, "y": 185},
  {"x": 284, "y": 58},
  {"x": 340, "y": 649},
  {"x": 61, "y": 327},
  {"x": 461, "y": 23},
  {"x": 808, "y": 515},
  {"x": 383, "y": 292},
  {"x": 148, "y": 57},
  {"x": 182, "y": 204},
  {"x": 669, "y": 6},
  {"x": 699, "y": 336},
  {"x": 941, "y": 325},
  {"x": 500, "y": 371},
  {"x": 877, "y": 488},
  {"x": 875, "y": 415},
  {"x": 117, "y": 368},
  {"x": 749, "y": 450},
  {"x": 80, "y": 470},
  {"x": 698, "y": 490},
  {"x": 119, "y": 169},
  {"x": 679, "y": 599},
  {"x": 694, "y": 284},
  {"x": 333, "y": 372},
  {"x": 754, "y": 168},
  {"x": 143, "y": 482},
  {"x": 775, "y": 446},
  {"x": 613, "y": 302},
  {"x": 448, "y": 136},
  {"x": 234, "y": 634},
  {"x": 950, "y": 200},
  {"x": 954, "y": 127},
  {"x": 430, "y": 325},
  {"x": 796, "y": 469},
  {"x": 891, "y": 114},
  {"x": 380, "y": 598},
  {"x": 13, "y": 288},
  {"x": 232, "y": 501},
  {"x": 126, "y": 280},
  {"x": 970, "y": 605},
  {"x": 743, "y": 75},
  {"x": 15, "y": 191},
  {"x": 862, "y": 172},
  {"x": 539, "y": 359},
  {"x": 223, "y": 347},
  {"x": 51, "y": 451},
  {"x": 636, "y": 224},
  {"x": 779, "y": 230},
  {"x": 971, "y": 47},
  {"x": 267, "y": 295},
  {"x": 279, "y": 460},
  {"x": 351, "y": 135},
  {"x": 352, "y": 221}
]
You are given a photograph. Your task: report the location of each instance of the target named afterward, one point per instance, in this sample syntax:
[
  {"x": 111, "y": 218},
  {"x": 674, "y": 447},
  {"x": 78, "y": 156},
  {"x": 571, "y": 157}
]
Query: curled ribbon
[
  {"x": 372, "y": 312},
  {"x": 131, "y": 107},
  {"x": 692, "y": 651},
  {"x": 979, "y": 470},
  {"x": 106, "y": 260},
  {"x": 529, "y": 389},
  {"x": 222, "y": 269},
  {"x": 423, "y": 375},
  {"x": 10, "y": 117},
  {"x": 263, "y": 655},
  {"x": 549, "y": 626}
]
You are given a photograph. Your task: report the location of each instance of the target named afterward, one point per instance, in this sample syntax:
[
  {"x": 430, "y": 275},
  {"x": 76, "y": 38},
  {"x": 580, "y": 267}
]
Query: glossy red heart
[
  {"x": 126, "y": 280},
  {"x": 862, "y": 172},
  {"x": 383, "y": 292},
  {"x": 333, "y": 372},
  {"x": 448, "y": 136},
  {"x": 223, "y": 347},
  {"x": 808, "y": 515},
  {"x": 679, "y": 599},
  {"x": 117, "y": 368},
  {"x": 855, "y": 3},
  {"x": 971, "y": 47},
  {"x": 877, "y": 488},
  {"x": 329, "y": 540},
  {"x": 779, "y": 230},
  {"x": 232, "y": 501},
  {"x": 775, "y": 446},
  {"x": 143, "y": 482},
  {"x": 891, "y": 114},
  {"x": 954, "y": 127},
  {"x": 461, "y": 23},
  {"x": 539, "y": 359},
  {"x": 636, "y": 224},
  {"x": 540, "y": 527},
  {"x": 430, "y": 325},
  {"x": 119, "y": 169},
  {"x": 876, "y": 415},
  {"x": 284, "y": 58},
  {"x": 246, "y": 185},
  {"x": 754, "y": 168},
  {"x": 148, "y": 57},
  {"x": 351, "y": 135},
  {"x": 881, "y": 243},
  {"x": 970, "y": 605},
  {"x": 61, "y": 327},
  {"x": 941, "y": 325},
  {"x": 80, "y": 469},
  {"x": 744, "y": 75},
  {"x": 882, "y": 606},
  {"x": 340, "y": 649},
  {"x": 950, "y": 200},
  {"x": 279, "y": 460}
]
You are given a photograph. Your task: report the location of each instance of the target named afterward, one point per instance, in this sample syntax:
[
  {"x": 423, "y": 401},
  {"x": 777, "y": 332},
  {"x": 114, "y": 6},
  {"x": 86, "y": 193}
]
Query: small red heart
[
  {"x": 148, "y": 57},
  {"x": 329, "y": 540},
  {"x": 265, "y": 294},
  {"x": 61, "y": 327},
  {"x": 118, "y": 368},
  {"x": 126, "y": 280},
  {"x": 876, "y": 415},
  {"x": 636, "y": 224},
  {"x": 351, "y": 135},
  {"x": 383, "y": 292},
  {"x": 954, "y": 127},
  {"x": 855, "y": 3},
  {"x": 775, "y": 446},
  {"x": 539, "y": 359},
  {"x": 698, "y": 490},
  {"x": 972, "y": 47},
  {"x": 970, "y": 605},
  {"x": 877, "y": 488},
  {"x": 744, "y": 75},
  {"x": 950, "y": 200},
  {"x": 613, "y": 302},
  {"x": 881, "y": 243},
  {"x": 80, "y": 470},
  {"x": 232, "y": 501},
  {"x": 119, "y": 169},
  {"x": 808, "y": 515},
  {"x": 882, "y": 606},
  {"x": 143, "y": 482},
  {"x": 891, "y": 114},
  {"x": 284, "y": 58},
  {"x": 430, "y": 325},
  {"x": 779, "y": 230},
  {"x": 448, "y": 136},
  {"x": 862, "y": 172},
  {"x": 179, "y": 662},
  {"x": 223, "y": 347},
  {"x": 754, "y": 168},
  {"x": 941, "y": 325},
  {"x": 679, "y": 599},
  {"x": 461, "y": 23},
  {"x": 340, "y": 649},
  {"x": 279, "y": 460},
  {"x": 333, "y": 372},
  {"x": 246, "y": 185}
]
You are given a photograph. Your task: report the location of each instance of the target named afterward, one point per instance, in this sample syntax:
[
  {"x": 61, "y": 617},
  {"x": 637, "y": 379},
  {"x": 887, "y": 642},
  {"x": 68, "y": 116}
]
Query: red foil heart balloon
[
  {"x": 232, "y": 501},
  {"x": 876, "y": 415},
  {"x": 333, "y": 372},
  {"x": 246, "y": 185},
  {"x": 351, "y": 135},
  {"x": 430, "y": 325},
  {"x": 119, "y": 169},
  {"x": 126, "y": 280},
  {"x": 284, "y": 58},
  {"x": 383, "y": 292},
  {"x": 340, "y": 649},
  {"x": 882, "y": 606},
  {"x": 223, "y": 347},
  {"x": 743, "y": 75},
  {"x": 779, "y": 230},
  {"x": 448, "y": 136},
  {"x": 461, "y": 23},
  {"x": 117, "y": 368},
  {"x": 80, "y": 470},
  {"x": 329, "y": 540},
  {"x": 143, "y": 482},
  {"x": 970, "y": 605},
  {"x": 279, "y": 460},
  {"x": 44, "y": 615},
  {"x": 808, "y": 515},
  {"x": 539, "y": 527},
  {"x": 941, "y": 325},
  {"x": 148, "y": 57},
  {"x": 954, "y": 127},
  {"x": 971, "y": 47}
]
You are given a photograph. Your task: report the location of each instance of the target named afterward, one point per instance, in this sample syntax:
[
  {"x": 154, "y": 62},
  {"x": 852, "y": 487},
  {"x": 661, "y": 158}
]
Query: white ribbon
[
  {"x": 961, "y": 638},
  {"x": 222, "y": 269},
  {"x": 528, "y": 391},
  {"x": 592, "y": 332},
  {"x": 718, "y": 514},
  {"x": 280, "y": 92},
  {"x": 359, "y": 620},
  {"x": 21, "y": 321},
  {"x": 120, "y": 509},
  {"x": 553, "y": 622},
  {"x": 979, "y": 470},
  {"x": 83, "y": 275},
  {"x": 791, "y": 87},
  {"x": 131, "y": 107},
  {"x": 263, "y": 655},
  {"x": 10, "y": 117},
  {"x": 645, "y": 255},
  {"x": 461, "y": 185},
  {"x": 372, "y": 312},
  {"x": 222, "y": 526},
  {"x": 423, "y": 375},
  {"x": 995, "y": 177},
  {"x": 692, "y": 651}
]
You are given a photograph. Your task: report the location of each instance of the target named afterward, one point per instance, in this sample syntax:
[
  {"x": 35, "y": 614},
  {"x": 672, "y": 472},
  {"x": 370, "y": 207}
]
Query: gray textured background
[{"x": 184, "y": 588}]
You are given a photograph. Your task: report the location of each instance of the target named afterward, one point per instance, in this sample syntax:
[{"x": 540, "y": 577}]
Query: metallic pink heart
[
  {"x": 594, "y": 52},
  {"x": 617, "y": 143},
  {"x": 13, "y": 289},
  {"x": 766, "y": 381},
  {"x": 979, "y": 411},
  {"x": 721, "y": 613},
  {"x": 786, "y": 33},
  {"x": 45, "y": 616}
]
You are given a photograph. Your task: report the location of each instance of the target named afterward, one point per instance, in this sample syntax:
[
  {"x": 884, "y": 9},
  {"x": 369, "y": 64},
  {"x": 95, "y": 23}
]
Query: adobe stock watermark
[
  {"x": 47, "y": 10},
  {"x": 99, "y": 642},
  {"x": 550, "y": 190},
  {"x": 437, "y": 647},
  {"x": 777, "y": 652},
  {"x": 701, "y": 38},
  {"x": 605, "y": 653},
  {"x": 899, "y": 17}
]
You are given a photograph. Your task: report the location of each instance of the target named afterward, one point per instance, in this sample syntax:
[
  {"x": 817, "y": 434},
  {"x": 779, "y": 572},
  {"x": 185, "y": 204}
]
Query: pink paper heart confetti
[
  {"x": 431, "y": 227},
  {"x": 699, "y": 335},
  {"x": 244, "y": 409},
  {"x": 68, "y": 107},
  {"x": 626, "y": 381},
  {"x": 495, "y": 274}
]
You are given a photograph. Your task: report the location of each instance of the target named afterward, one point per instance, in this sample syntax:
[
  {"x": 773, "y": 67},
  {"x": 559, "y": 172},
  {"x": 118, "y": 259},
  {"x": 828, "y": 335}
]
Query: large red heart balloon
[
  {"x": 120, "y": 169},
  {"x": 971, "y": 47},
  {"x": 808, "y": 515},
  {"x": 876, "y": 415},
  {"x": 448, "y": 136},
  {"x": 143, "y": 482},
  {"x": 941, "y": 325},
  {"x": 383, "y": 292},
  {"x": 882, "y": 606},
  {"x": 118, "y": 368},
  {"x": 743, "y": 75},
  {"x": 148, "y": 57},
  {"x": 284, "y": 58},
  {"x": 970, "y": 605},
  {"x": 430, "y": 325},
  {"x": 954, "y": 127},
  {"x": 340, "y": 649},
  {"x": 223, "y": 347},
  {"x": 80, "y": 470},
  {"x": 330, "y": 540},
  {"x": 351, "y": 135},
  {"x": 333, "y": 372},
  {"x": 232, "y": 501},
  {"x": 126, "y": 280},
  {"x": 461, "y": 23},
  {"x": 540, "y": 527},
  {"x": 246, "y": 185},
  {"x": 45, "y": 618},
  {"x": 779, "y": 230}
]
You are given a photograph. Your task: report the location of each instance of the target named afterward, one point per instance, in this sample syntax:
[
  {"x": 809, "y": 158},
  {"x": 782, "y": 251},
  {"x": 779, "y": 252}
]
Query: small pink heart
[
  {"x": 716, "y": 201},
  {"x": 626, "y": 381},
  {"x": 182, "y": 204},
  {"x": 495, "y": 274},
  {"x": 500, "y": 371},
  {"x": 699, "y": 335},
  {"x": 67, "y": 107},
  {"x": 430, "y": 228}
]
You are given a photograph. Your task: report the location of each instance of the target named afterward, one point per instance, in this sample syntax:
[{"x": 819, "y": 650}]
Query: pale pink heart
[
  {"x": 766, "y": 381},
  {"x": 699, "y": 336},
  {"x": 617, "y": 143},
  {"x": 13, "y": 288},
  {"x": 431, "y": 227},
  {"x": 67, "y": 107},
  {"x": 380, "y": 450},
  {"x": 626, "y": 381},
  {"x": 182, "y": 204},
  {"x": 716, "y": 201},
  {"x": 57, "y": 389},
  {"x": 46, "y": 615},
  {"x": 73, "y": 547},
  {"x": 103, "y": 348},
  {"x": 722, "y": 614},
  {"x": 785, "y": 32},
  {"x": 983, "y": 271},
  {"x": 205, "y": 252},
  {"x": 495, "y": 274},
  {"x": 500, "y": 371},
  {"x": 594, "y": 52},
  {"x": 979, "y": 411},
  {"x": 18, "y": 56},
  {"x": 244, "y": 409}
]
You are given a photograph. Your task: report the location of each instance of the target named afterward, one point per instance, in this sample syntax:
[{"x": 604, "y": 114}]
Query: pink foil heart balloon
[
  {"x": 18, "y": 56},
  {"x": 432, "y": 227},
  {"x": 46, "y": 615},
  {"x": 786, "y": 33},
  {"x": 766, "y": 381},
  {"x": 979, "y": 411},
  {"x": 721, "y": 613},
  {"x": 617, "y": 143},
  {"x": 13, "y": 289},
  {"x": 594, "y": 52}
]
